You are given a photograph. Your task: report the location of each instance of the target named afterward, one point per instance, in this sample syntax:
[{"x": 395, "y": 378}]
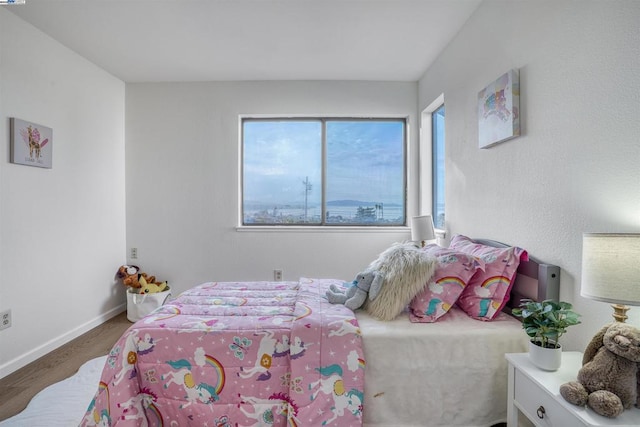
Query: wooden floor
[{"x": 18, "y": 388}]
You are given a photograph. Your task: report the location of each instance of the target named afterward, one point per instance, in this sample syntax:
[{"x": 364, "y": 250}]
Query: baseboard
[{"x": 49, "y": 346}]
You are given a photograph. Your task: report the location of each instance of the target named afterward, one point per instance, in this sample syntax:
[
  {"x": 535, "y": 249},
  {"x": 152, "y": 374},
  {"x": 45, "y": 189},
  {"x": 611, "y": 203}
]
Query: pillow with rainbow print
[
  {"x": 487, "y": 293},
  {"x": 453, "y": 272}
]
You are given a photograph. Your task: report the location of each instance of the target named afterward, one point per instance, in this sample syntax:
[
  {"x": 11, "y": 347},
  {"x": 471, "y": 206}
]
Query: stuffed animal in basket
[
  {"x": 367, "y": 283},
  {"x": 131, "y": 274},
  {"x": 608, "y": 379},
  {"x": 151, "y": 288}
]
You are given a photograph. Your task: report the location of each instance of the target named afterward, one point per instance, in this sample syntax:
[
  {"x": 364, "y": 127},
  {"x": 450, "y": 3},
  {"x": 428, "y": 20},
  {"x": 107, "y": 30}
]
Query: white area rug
[{"x": 61, "y": 404}]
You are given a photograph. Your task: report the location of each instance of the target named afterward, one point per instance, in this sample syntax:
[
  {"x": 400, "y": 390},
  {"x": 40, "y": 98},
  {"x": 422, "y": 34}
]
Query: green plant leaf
[{"x": 546, "y": 320}]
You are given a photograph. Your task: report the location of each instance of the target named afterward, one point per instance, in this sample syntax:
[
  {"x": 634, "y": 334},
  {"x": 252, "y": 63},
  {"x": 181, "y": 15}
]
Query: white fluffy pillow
[{"x": 406, "y": 270}]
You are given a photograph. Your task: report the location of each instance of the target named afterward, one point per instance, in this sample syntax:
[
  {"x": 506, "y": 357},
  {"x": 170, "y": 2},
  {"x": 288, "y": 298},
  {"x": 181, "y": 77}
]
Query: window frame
[{"x": 323, "y": 224}]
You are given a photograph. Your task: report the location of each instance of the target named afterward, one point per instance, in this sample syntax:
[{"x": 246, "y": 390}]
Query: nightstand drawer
[{"x": 532, "y": 401}]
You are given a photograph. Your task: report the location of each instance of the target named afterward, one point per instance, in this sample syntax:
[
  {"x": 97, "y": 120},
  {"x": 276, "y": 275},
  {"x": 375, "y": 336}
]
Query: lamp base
[{"x": 620, "y": 312}]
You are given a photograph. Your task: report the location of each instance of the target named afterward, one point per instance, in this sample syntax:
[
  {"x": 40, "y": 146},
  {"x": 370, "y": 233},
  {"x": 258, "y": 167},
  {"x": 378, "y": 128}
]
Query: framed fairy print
[{"x": 31, "y": 144}]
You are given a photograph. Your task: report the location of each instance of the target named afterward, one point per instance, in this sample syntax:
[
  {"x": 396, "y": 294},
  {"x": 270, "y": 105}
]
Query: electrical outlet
[
  {"x": 277, "y": 275},
  {"x": 5, "y": 319},
  {"x": 134, "y": 253}
]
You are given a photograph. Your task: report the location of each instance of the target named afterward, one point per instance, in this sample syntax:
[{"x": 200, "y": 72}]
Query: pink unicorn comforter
[{"x": 237, "y": 354}]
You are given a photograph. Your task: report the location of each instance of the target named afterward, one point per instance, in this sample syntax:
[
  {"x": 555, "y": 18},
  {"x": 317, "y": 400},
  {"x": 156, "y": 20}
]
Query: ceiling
[{"x": 207, "y": 40}]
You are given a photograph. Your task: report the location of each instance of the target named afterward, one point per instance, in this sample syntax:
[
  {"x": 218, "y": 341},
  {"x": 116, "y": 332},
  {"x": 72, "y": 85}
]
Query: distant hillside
[{"x": 356, "y": 203}]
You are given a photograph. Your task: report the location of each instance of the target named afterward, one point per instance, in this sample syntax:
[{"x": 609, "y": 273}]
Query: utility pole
[{"x": 307, "y": 190}]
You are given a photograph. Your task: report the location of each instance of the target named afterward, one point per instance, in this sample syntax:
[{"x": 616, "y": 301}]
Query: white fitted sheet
[{"x": 449, "y": 373}]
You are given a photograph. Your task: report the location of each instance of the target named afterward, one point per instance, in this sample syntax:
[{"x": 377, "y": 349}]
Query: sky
[{"x": 365, "y": 160}]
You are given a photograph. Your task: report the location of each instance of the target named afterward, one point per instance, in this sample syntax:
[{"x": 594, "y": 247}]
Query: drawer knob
[{"x": 540, "y": 412}]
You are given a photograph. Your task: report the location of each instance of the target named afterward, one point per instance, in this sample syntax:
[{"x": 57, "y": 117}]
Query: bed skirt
[{"x": 449, "y": 373}]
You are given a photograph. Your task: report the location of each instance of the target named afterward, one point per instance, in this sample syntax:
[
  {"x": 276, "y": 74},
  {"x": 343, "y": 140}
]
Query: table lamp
[
  {"x": 422, "y": 229},
  {"x": 611, "y": 270}
]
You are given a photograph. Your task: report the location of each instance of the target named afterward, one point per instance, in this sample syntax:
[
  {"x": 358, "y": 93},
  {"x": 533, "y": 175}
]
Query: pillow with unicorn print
[
  {"x": 453, "y": 272},
  {"x": 488, "y": 292}
]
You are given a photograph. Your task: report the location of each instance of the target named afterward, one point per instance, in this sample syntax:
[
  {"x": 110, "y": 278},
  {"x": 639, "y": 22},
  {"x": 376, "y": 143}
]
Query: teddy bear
[
  {"x": 367, "y": 283},
  {"x": 131, "y": 274},
  {"x": 608, "y": 379}
]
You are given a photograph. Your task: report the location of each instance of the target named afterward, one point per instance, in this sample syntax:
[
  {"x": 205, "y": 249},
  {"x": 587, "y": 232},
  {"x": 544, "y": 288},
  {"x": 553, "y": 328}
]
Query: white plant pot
[{"x": 545, "y": 358}]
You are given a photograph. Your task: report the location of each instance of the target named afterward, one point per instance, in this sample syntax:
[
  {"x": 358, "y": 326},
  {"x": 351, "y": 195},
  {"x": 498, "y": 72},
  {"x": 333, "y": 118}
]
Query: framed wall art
[
  {"x": 499, "y": 110},
  {"x": 31, "y": 144}
]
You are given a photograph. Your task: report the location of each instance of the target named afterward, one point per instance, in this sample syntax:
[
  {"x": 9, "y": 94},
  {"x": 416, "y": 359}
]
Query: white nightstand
[{"x": 536, "y": 394}]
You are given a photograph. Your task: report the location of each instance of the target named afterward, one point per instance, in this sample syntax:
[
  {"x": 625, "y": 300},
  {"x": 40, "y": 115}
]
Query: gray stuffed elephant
[{"x": 367, "y": 283}]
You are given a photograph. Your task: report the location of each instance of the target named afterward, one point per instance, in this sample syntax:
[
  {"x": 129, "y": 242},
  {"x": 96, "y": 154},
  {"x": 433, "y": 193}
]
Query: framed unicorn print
[
  {"x": 499, "y": 110},
  {"x": 31, "y": 144}
]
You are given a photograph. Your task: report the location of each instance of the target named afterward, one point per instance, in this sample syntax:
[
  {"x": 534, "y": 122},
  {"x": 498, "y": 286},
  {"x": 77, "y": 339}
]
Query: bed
[
  {"x": 279, "y": 354},
  {"x": 451, "y": 372}
]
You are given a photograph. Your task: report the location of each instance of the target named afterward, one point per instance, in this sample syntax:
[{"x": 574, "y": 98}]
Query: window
[
  {"x": 323, "y": 171},
  {"x": 437, "y": 156}
]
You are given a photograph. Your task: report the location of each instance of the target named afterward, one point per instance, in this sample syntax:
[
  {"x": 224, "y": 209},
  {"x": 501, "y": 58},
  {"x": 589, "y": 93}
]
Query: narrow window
[{"x": 437, "y": 144}]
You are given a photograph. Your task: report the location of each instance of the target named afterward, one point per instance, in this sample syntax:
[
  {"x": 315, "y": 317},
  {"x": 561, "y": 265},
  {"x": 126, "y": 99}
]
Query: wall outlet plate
[{"x": 5, "y": 319}]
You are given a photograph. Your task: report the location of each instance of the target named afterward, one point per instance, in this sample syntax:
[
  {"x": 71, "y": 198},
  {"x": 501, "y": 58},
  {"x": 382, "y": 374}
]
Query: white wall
[
  {"x": 576, "y": 167},
  {"x": 62, "y": 230},
  {"x": 183, "y": 173}
]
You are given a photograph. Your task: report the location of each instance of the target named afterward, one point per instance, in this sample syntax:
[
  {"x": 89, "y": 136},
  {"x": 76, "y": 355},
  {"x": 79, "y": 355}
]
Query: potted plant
[{"x": 545, "y": 322}]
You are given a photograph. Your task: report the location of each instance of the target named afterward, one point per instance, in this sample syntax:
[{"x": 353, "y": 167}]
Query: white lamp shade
[
  {"x": 422, "y": 228},
  {"x": 611, "y": 268}
]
